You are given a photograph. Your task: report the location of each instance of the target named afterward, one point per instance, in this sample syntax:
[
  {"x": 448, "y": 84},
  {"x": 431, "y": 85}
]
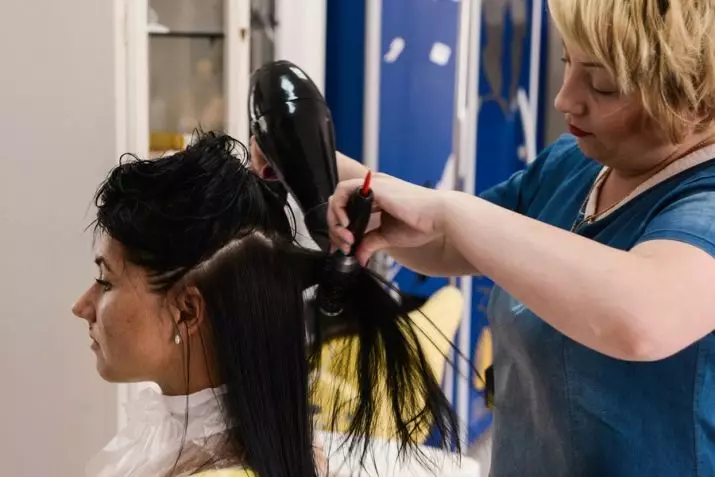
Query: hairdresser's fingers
[
  {"x": 374, "y": 222},
  {"x": 337, "y": 203},
  {"x": 371, "y": 243},
  {"x": 341, "y": 238},
  {"x": 343, "y": 191},
  {"x": 336, "y": 213},
  {"x": 344, "y": 239},
  {"x": 331, "y": 217},
  {"x": 336, "y": 230}
]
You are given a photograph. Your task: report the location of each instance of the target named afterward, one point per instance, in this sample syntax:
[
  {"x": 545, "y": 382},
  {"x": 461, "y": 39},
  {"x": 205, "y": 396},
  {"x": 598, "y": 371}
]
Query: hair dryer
[{"x": 294, "y": 129}]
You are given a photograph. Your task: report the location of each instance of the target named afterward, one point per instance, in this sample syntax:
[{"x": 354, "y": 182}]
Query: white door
[{"x": 185, "y": 64}]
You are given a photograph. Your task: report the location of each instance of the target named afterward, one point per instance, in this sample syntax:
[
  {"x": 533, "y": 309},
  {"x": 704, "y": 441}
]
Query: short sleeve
[
  {"x": 690, "y": 219},
  {"x": 506, "y": 194},
  {"x": 517, "y": 192}
]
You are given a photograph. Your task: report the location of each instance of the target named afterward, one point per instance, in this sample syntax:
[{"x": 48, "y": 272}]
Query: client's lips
[{"x": 577, "y": 131}]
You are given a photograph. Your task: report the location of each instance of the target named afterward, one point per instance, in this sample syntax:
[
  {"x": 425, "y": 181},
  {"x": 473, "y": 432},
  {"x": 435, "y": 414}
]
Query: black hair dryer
[{"x": 294, "y": 129}]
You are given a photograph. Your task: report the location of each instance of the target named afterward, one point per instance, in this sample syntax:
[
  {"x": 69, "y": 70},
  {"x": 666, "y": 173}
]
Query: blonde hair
[{"x": 663, "y": 50}]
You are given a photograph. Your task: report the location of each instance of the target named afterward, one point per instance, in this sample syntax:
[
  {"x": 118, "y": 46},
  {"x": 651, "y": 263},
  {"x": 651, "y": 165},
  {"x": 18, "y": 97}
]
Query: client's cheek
[{"x": 116, "y": 334}]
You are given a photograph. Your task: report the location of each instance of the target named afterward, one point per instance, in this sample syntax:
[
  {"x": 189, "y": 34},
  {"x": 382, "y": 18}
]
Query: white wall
[
  {"x": 300, "y": 36},
  {"x": 57, "y": 141}
]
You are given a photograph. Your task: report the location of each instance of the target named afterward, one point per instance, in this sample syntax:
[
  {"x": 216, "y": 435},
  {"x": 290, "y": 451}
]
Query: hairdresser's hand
[{"x": 407, "y": 215}]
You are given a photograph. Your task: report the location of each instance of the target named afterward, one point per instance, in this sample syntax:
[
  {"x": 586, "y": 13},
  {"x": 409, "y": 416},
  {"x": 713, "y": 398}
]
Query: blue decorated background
[{"x": 416, "y": 110}]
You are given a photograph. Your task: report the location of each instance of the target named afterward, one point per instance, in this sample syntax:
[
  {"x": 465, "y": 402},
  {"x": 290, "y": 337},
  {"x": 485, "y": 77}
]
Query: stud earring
[{"x": 177, "y": 338}]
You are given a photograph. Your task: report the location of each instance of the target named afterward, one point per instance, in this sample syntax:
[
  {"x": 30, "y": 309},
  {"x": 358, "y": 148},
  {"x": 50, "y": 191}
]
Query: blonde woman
[{"x": 602, "y": 253}]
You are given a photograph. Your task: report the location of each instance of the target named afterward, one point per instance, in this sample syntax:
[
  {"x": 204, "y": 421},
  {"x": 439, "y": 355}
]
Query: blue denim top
[{"x": 564, "y": 410}]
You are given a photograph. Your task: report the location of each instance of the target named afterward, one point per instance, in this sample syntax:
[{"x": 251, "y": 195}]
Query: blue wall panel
[
  {"x": 417, "y": 100},
  {"x": 504, "y": 70},
  {"x": 345, "y": 72},
  {"x": 417, "y": 107}
]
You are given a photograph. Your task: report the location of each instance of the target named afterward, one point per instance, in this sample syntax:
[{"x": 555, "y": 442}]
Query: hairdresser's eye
[
  {"x": 106, "y": 286},
  {"x": 604, "y": 92},
  {"x": 565, "y": 60}
]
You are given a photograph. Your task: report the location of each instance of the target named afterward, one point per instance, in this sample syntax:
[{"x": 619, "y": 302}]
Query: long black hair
[{"x": 202, "y": 217}]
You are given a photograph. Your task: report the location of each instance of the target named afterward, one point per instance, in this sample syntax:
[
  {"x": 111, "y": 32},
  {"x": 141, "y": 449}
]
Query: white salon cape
[
  {"x": 148, "y": 446},
  {"x": 302, "y": 235}
]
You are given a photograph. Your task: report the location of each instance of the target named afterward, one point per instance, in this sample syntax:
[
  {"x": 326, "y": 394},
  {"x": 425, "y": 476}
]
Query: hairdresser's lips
[
  {"x": 94, "y": 346},
  {"x": 578, "y": 132}
]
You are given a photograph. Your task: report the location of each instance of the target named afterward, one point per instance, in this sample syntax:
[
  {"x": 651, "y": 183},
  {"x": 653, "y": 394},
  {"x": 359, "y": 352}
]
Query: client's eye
[{"x": 106, "y": 286}]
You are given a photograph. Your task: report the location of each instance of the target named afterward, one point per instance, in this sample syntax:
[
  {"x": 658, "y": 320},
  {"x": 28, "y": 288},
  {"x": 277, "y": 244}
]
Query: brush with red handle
[
  {"x": 342, "y": 269},
  {"x": 359, "y": 209}
]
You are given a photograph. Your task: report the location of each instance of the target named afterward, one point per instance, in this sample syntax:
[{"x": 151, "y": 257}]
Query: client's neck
[{"x": 201, "y": 374}]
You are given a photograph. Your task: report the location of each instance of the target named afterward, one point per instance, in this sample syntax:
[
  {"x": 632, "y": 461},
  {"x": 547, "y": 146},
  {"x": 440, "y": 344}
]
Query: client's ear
[
  {"x": 267, "y": 173},
  {"x": 190, "y": 304},
  {"x": 259, "y": 164}
]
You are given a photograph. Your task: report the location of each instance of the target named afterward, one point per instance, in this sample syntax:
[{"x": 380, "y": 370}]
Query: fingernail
[{"x": 346, "y": 248}]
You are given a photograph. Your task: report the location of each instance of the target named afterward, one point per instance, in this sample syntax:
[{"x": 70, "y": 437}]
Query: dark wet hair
[
  {"x": 202, "y": 216},
  {"x": 175, "y": 212}
]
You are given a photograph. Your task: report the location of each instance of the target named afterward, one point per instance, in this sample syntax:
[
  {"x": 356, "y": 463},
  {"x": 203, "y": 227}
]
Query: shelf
[{"x": 205, "y": 35}]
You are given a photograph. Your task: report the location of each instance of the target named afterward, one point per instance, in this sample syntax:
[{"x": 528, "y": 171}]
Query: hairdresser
[{"x": 601, "y": 251}]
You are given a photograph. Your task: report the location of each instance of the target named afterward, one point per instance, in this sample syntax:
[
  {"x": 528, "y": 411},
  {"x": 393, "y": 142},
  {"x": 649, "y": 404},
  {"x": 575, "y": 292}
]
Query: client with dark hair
[{"x": 201, "y": 290}]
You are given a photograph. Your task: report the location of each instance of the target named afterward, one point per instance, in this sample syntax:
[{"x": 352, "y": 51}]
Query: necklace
[{"x": 583, "y": 219}]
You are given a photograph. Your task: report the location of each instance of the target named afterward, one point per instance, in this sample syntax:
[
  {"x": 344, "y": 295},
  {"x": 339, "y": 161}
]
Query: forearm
[
  {"x": 349, "y": 168},
  {"x": 436, "y": 259},
  {"x": 596, "y": 295}
]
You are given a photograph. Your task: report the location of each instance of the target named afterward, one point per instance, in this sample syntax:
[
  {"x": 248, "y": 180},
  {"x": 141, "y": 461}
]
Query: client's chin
[{"x": 108, "y": 373}]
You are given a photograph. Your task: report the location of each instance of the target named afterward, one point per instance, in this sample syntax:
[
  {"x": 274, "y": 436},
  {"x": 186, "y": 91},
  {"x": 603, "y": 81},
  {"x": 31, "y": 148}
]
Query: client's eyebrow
[{"x": 102, "y": 262}]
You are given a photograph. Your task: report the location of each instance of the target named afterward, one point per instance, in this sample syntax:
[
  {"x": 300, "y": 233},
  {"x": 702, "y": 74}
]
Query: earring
[{"x": 177, "y": 338}]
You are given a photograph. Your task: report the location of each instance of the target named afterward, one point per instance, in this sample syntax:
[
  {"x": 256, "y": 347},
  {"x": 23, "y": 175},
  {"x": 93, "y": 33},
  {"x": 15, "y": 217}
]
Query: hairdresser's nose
[
  {"x": 570, "y": 98},
  {"x": 84, "y": 307}
]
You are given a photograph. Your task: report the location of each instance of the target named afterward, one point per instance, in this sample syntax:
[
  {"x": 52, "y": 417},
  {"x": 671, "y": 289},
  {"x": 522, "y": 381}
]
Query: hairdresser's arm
[
  {"x": 349, "y": 168},
  {"x": 437, "y": 258},
  {"x": 644, "y": 304}
]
